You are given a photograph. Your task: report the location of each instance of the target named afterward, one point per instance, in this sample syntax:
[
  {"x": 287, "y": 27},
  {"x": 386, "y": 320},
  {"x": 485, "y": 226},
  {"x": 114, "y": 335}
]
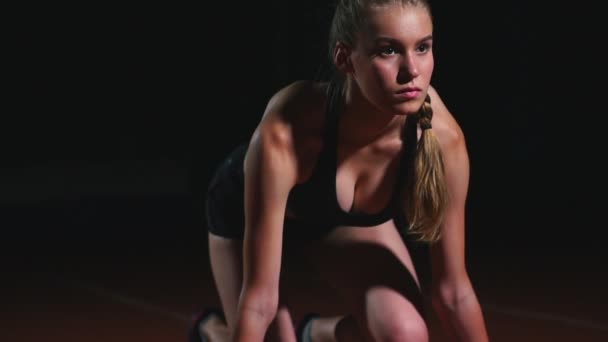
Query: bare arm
[
  {"x": 454, "y": 298},
  {"x": 270, "y": 173}
]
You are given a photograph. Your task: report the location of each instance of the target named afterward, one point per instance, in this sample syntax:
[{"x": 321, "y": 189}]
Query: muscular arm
[
  {"x": 454, "y": 298},
  {"x": 270, "y": 173},
  {"x": 269, "y": 176}
]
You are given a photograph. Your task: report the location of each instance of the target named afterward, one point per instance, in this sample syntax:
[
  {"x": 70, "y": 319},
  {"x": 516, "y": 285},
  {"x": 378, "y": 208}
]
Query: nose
[{"x": 408, "y": 68}]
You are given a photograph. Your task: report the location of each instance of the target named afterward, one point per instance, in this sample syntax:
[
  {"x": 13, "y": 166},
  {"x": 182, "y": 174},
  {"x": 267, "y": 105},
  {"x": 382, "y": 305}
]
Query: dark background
[{"x": 115, "y": 117}]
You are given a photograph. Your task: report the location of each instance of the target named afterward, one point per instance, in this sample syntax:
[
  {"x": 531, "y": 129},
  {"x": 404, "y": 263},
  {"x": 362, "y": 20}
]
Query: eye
[
  {"x": 387, "y": 50},
  {"x": 422, "y": 48}
]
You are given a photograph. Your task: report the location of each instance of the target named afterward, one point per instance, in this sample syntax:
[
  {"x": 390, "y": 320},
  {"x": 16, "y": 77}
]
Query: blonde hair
[
  {"x": 349, "y": 17},
  {"x": 426, "y": 194}
]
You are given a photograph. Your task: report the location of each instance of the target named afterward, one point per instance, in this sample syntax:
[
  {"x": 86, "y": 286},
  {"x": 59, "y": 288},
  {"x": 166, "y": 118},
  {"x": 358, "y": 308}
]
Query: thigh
[
  {"x": 227, "y": 266},
  {"x": 225, "y": 225},
  {"x": 370, "y": 269},
  {"x": 226, "y": 258}
]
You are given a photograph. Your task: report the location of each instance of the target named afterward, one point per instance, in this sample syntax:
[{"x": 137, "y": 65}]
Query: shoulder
[
  {"x": 445, "y": 126},
  {"x": 454, "y": 153},
  {"x": 296, "y": 108},
  {"x": 296, "y": 98},
  {"x": 292, "y": 117},
  {"x": 295, "y": 112},
  {"x": 453, "y": 146}
]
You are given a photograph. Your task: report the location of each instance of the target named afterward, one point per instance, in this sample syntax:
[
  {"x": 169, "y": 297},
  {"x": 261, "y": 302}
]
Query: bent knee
[
  {"x": 391, "y": 317},
  {"x": 411, "y": 329}
]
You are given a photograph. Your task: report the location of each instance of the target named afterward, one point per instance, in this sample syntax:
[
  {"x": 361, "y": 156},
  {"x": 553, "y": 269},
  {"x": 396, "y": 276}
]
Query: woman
[{"x": 327, "y": 173}]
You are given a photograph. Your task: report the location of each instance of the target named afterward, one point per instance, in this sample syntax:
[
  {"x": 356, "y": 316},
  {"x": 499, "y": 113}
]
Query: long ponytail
[{"x": 426, "y": 193}]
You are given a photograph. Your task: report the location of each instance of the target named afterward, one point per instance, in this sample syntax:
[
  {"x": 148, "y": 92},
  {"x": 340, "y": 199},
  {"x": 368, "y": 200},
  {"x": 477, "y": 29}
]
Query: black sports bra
[{"x": 315, "y": 201}]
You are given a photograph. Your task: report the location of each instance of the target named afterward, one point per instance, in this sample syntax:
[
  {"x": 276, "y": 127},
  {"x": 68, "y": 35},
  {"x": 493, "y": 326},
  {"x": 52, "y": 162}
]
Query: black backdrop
[{"x": 182, "y": 84}]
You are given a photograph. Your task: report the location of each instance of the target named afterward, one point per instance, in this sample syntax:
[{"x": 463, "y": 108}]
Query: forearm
[{"x": 461, "y": 316}]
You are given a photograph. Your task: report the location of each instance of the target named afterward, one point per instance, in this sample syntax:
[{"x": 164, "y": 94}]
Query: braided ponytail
[{"x": 426, "y": 192}]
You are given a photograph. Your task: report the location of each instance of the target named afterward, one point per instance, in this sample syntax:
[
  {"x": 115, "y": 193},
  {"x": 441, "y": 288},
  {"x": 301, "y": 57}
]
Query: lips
[
  {"x": 408, "y": 90},
  {"x": 408, "y": 93}
]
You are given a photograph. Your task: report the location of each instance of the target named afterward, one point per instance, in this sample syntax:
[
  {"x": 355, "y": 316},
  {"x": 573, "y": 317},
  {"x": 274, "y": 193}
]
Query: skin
[
  {"x": 394, "y": 51},
  {"x": 368, "y": 269}
]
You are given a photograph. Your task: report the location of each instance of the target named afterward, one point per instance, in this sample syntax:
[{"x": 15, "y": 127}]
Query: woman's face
[{"x": 392, "y": 62}]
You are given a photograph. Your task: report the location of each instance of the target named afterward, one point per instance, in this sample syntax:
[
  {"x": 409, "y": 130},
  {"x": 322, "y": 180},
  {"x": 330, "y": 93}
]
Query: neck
[{"x": 362, "y": 123}]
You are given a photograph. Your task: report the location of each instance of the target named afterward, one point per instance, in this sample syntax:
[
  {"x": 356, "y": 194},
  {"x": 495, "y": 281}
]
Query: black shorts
[{"x": 224, "y": 202}]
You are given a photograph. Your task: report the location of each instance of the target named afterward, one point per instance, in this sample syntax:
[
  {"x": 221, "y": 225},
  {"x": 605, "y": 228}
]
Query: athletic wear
[{"x": 313, "y": 202}]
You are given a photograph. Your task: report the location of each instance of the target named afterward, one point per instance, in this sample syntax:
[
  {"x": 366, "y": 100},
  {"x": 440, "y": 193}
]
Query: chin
[{"x": 407, "y": 108}]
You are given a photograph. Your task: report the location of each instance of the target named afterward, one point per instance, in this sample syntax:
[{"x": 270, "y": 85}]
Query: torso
[{"x": 364, "y": 177}]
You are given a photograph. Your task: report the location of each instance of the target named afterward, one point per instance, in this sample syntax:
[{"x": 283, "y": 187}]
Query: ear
[{"x": 342, "y": 58}]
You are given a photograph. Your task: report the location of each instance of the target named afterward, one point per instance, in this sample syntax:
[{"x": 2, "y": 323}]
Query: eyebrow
[{"x": 392, "y": 40}]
